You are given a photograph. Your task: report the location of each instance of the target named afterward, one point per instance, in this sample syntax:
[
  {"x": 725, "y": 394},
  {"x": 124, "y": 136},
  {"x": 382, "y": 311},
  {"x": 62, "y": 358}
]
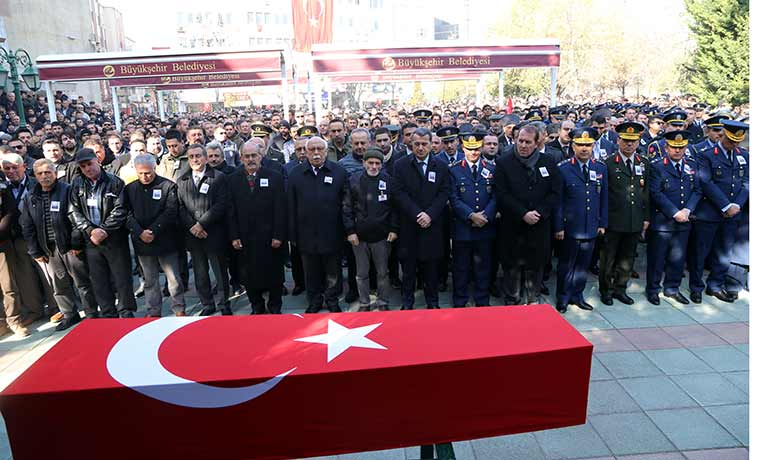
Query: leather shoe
[
  {"x": 635, "y": 275},
  {"x": 383, "y": 308},
  {"x": 407, "y": 308},
  {"x": 364, "y": 308},
  {"x": 313, "y": 309},
  {"x": 696, "y": 297},
  {"x": 297, "y": 290},
  {"x": 606, "y": 299},
  {"x": 28, "y": 320},
  {"x": 208, "y": 311},
  {"x": 68, "y": 322},
  {"x": 126, "y": 314},
  {"x": 351, "y": 297},
  {"x": 562, "y": 309},
  {"x": 226, "y": 311},
  {"x": 4, "y": 329},
  {"x": 57, "y": 317},
  {"x": 594, "y": 270},
  {"x": 335, "y": 309},
  {"x": 433, "y": 307},
  {"x": 544, "y": 289},
  {"x": 140, "y": 291},
  {"x": 180, "y": 313},
  {"x": 19, "y": 330},
  {"x": 623, "y": 297},
  {"x": 654, "y": 299},
  {"x": 678, "y": 297},
  {"x": 583, "y": 305},
  {"x": 721, "y": 295}
]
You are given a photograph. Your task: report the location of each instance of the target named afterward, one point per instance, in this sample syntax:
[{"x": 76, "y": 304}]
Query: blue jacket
[
  {"x": 722, "y": 182},
  {"x": 656, "y": 150},
  {"x": 670, "y": 193},
  {"x": 468, "y": 196},
  {"x": 443, "y": 156},
  {"x": 582, "y": 209}
]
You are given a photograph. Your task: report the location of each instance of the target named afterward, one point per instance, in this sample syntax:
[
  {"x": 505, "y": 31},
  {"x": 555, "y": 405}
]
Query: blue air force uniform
[
  {"x": 656, "y": 149},
  {"x": 724, "y": 175},
  {"x": 472, "y": 192},
  {"x": 581, "y": 212},
  {"x": 672, "y": 186}
]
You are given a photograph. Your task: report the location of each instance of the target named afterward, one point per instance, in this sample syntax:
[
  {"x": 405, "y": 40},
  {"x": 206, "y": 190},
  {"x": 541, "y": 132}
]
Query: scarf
[{"x": 529, "y": 163}]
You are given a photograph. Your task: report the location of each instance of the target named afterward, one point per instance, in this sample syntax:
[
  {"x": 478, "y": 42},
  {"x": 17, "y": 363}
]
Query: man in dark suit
[
  {"x": 422, "y": 190},
  {"x": 527, "y": 187},
  {"x": 257, "y": 228},
  {"x": 562, "y": 142},
  {"x": 315, "y": 220},
  {"x": 203, "y": 211}
]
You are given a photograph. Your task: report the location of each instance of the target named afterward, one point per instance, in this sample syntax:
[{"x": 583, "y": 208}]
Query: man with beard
[
  {"x": 216, "y": 158},
  {"x": 337, "y": 147},
  {"x": 258, "y": 225},
  {"x": 69, "y": 145},
  {"x": 422, "y": 189},
  {"x": 282, "y": 144},
  {"x": 175, "y": 164},
  {"x": 64, "y": 170},
  {"x": 315, "y": 197},
  {"x": 579, "y": 218},
  {"x": 528, "y": 187}
]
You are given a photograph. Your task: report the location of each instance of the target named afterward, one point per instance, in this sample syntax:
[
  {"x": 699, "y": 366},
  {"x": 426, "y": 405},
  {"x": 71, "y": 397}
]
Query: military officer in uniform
[
  {"x": 473, "y": 215},
  {"x": 724, "y": 173},
  {"x": 713, "y": 127},
  {"x": 628, "y": 202},
  {"x": 654, "y": 127},
  {"x": 675, "y": 191},
  {"x": 580, "y": 216},
  {"x": 449, "y": 136},
  {"x": 423, "y": 118},
  {"x": 675, "y": 120}
]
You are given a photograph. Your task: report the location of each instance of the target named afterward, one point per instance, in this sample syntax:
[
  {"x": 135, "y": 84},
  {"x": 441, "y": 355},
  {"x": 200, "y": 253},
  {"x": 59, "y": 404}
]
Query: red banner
[
  {"x": 231, "y": 388},
  {"x": 312, "y": 23}
]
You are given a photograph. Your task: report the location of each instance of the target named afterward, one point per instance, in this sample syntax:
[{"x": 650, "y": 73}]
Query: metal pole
[
  {"x": 17, "y": 90},
  {"x": 116, "y": 110},
  {"x": 161, "y": 110},
  {"x": 284, "y": 76},
  {"x": 50, "y": 101},
  {"x": 500, "y": 103},
  {"x": 310, "y": 90},
  {"x": 554, "y": 87}
]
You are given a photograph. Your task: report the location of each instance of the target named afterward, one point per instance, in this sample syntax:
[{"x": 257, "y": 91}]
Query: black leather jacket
[
  {"x": 33, "y": 222},
  {"x": 112, "y": 210}
]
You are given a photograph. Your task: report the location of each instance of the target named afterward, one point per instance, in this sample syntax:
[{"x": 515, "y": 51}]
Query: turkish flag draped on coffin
[
  {"x": 312, "y": 23},
  {"x": 289, "y": 386}
]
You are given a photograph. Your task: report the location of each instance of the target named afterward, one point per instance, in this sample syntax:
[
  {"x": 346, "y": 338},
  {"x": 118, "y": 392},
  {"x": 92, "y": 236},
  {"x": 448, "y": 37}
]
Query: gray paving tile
[
  {"x": 740, "y": 379},
  {"x": 694, "y": 335},
  {"x": 739, "y": 310},
  {"x": 735, "y": 419},
  {"x": 608, "y": 340},
  {"x": 677, "y": 361},
  {"x": 587, "y": 321},
  {"x": 573, "y": 442},
  {"x": 630, "y": 433},
  {"x": 710, "y": 389},
  {"x": 701, "y": 431},
  {"x": 522, "y": 446},
  {"x": 390, "y": 454},
  {"x": 731, "y": 332},
  {"x": 657, "y": 393},
  {"x": 608, "y": 397},
  {"x": 629, "y": 318},
  {"x": 598, "y": 371},
  {"x": 743, "y": 347},
  {"x": 624, "y": 364},
  {"x": 736, "y": 453},
  {"x": 723, "y": 358},
  {"x": 462, "y": 450},
  {"x": 672, "y": 317},
  {"x": 707, "y": 314},
  {"x": 657, "y": 456},
  {"x": 651, "y": 338}
]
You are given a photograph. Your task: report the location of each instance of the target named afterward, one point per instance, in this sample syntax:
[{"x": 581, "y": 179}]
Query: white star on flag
[{"x": 339, "y": 339}]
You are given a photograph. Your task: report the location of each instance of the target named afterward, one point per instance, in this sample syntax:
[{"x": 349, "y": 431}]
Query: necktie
[
  {"x": 475, "y": 172},
  {"x": 730, "y": 157},
  {"x": 585, "y": 172},
  {"x": 629, "y": 165},
  {"x": 421, "y": 165},
  {"x": 678, "y": 169}
]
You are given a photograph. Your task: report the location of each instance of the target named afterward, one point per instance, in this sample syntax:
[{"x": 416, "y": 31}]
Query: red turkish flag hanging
[{"x": 312, "y": 23}]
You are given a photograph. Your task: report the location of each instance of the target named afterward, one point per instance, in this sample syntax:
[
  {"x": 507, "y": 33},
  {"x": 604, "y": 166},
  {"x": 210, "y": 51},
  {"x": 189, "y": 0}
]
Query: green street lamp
[{"x": 30, "y": 75}]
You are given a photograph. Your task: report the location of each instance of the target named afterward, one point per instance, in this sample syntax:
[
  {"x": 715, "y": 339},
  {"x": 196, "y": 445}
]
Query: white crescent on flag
[
  {"x": 313, "y": 20},
  {"x": 134, "y": 363}
]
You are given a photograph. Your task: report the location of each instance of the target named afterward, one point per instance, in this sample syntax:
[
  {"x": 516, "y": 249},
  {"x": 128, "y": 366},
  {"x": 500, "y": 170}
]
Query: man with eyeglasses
[
  {"x": 19, "y": 147},
  {"x": 713, "y": 132}
]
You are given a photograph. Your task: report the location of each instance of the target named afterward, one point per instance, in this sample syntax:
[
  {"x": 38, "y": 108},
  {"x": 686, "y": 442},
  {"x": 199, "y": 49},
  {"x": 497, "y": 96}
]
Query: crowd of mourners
[{"x": 495, "y": 201}]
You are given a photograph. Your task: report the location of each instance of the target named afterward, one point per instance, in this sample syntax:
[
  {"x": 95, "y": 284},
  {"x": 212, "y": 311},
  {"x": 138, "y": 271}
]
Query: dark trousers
[
  {"x": 393, "y": 262},
  {"x": 522, "y": 281},
  {"x": 256, "y": 298},
  {"x": 112, "y": 262},
  {"x": 572, "y": 269},
  {"x": 348, "y": 253},
  {"x": 471, "y": 263},
  {"x": 324, "y": 279},
  {"x": 56, "y": 276},
  {"x": 666, "y": 252},
  {"x": 76, "y": 264},
  {"x": 233, "y": 265},
  {"x": 429, "y": 270},
  {"x": 713, "y": 244},
  {"x": 202, "y": 260},
  {"x": 616, "y": 257},
  {"x": 443, "y": 272},
  {"x": 296, "y": 266}
]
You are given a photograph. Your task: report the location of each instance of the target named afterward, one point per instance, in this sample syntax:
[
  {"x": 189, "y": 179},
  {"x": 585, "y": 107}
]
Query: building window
[
  {"x": 251, "y": 41},
  {"x": 266, "y": 18}
]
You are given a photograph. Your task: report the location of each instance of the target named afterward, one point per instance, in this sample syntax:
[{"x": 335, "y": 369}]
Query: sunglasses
[{"x": 18, "y": 147}]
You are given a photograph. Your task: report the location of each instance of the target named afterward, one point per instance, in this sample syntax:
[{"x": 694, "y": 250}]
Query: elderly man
[
  {"x": 152, "y": 207},
  {"x": 203, "y": 211},
  {"x": 96, "y": 208},
  {"x": 55, "y": 245},
  {"x": 258, "y": 226},
  {"x": 371, "y": 223},
  {"x": 315, "y": 197},
  {"x": 215, "y": 152},
  {"x": 422, "y": 190}
]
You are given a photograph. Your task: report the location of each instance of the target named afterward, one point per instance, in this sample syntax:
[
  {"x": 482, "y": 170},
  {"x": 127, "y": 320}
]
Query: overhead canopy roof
[
  {"x": 157, "y": 64},
  {"x": 328, "y": 60}
]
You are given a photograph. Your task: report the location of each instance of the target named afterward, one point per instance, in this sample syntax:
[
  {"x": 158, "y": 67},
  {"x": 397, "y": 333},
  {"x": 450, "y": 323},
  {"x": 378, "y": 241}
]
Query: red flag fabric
[
  {"x": 224, "y": 388},
  {"x": 312, "y": 23},
  {"x": 510, "y": 106}
]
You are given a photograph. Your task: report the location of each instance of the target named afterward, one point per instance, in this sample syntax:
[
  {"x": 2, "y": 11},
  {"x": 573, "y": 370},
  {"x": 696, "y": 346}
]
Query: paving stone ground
[{"x": 668, "y": 382}]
